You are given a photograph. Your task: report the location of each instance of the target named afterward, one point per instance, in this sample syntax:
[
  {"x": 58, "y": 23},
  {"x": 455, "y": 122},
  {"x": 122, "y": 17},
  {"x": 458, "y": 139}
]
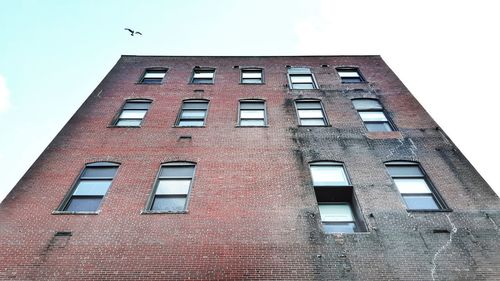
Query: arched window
[
  {"x": 373, "y": 115},
  {"x": 90, "y": 188},
  {"x": 171, "y": 189},
  {"x": 132, "y": 113},
  {"x": 310, "y": 112},
  {"x": 416, "y": 189},
  {"x": 193, "y": 113},
  {"x": 252, "y": 113},
  {"x": 203, "y": 75}
]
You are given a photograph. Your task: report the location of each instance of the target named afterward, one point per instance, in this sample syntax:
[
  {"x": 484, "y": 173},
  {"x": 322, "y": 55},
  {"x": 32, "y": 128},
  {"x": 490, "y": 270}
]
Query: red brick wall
[{"x": 252, "y": 212}]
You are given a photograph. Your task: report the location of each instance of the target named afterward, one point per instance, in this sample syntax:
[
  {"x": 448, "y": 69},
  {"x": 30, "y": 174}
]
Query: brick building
[{"x": 250, "y": 168}]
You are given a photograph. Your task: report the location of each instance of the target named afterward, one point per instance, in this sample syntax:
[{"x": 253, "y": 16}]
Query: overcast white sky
[{"x": 54, "y": 53}]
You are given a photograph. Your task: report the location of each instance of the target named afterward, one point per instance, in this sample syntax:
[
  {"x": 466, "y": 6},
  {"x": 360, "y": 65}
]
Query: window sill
[
  {"x": 334, "y": 186},
  {"x": 430, "y": 211},
  {"x": 362, "y": 82},
  {"x": 305, "y": 90},
  {"x": 189, "y": 126},
  {"x": 139, "y": 83},
  {"x": 345, "y": 233},
  {"x": 313, "y": 126},
  {"x": 252, "y": 83},
  {"x": 149, "y": 212},
  {"x": 191, "y": 83},
  {"x": 113, "y": 126},
  {"x": 74, "y": 213},
  {"x": 239, "y": 126}
]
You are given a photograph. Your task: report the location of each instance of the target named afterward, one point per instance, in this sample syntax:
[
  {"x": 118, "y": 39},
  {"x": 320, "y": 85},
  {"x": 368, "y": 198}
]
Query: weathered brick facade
[{"x": 252, "y": 212}]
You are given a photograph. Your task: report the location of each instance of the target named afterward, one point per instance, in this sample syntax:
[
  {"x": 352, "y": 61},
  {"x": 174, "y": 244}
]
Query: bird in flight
[{"x": 132, "y": 32}]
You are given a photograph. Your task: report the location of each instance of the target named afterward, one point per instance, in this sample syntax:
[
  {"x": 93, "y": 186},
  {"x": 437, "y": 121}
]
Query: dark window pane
[
  {"x": 312, "y": 122},
  {"x": 152, "y": 80},
  {"x": 129, "y": 123},
  {"x": 83, "y": 204},
  {"x": 404, "y": 171},
  {"x": 195, "y": 105},
  {"x": 181, "y": 171},
  {"x": 170, "y": 203},
  {"x": 303, "y": 86},
  {"x": 202, "y": 81},
  {"x": 351, "y": 80},
  {"x": 151, "y": 73},
  {"x": 420, "y": 202},
  {"x": 252, "y": 105},
  {"x": 137, "y": 105},
  {"x": 378, "y": 127},
  {"x": 191, "y": 123},
  {"x": 99, "y": 172},
  {"x": 307, "y": 105},
  {"x": 251, "y": 80},
  {"x": 252, "y": 123},
  {"x": 339, "y": 227}
]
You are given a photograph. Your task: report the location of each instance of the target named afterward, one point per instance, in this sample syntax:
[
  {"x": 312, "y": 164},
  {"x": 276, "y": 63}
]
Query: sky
[{"x": 54, "y": 53}]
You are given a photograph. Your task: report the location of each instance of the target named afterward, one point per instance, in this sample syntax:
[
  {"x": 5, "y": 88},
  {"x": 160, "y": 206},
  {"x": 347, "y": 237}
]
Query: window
[
  {"x": 193, "y": 113},
  {"x": 415, "y": 188},
  {"x": 337, "y": 217},
  {"x": 251, "y": 76},
  {"x": 301, "y": 78},
  {"x": 153, "y": 76},
  {"x": 336, "y": 201},
  {"x": 87, "y": 194},
  {"x": 132, "y": 113},
  {"x": 252, "y": 113},
  {"x": 310, "y": 113},
  {"x": 172, "y": 187},
  {"x": 328, "y": 174},
  {"x": 373, "y": 115},
  {"x": 203, "y": 76},
  {"x": 350, "y": 75}
]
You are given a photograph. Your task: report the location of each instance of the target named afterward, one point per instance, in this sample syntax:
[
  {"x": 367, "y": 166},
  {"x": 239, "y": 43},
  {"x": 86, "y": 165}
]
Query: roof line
[{"x": 267, "y": 56}]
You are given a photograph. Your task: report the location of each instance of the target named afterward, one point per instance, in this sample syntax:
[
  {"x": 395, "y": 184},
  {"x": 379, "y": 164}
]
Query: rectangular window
[
  {"x": 301, "y": 78},
  {"x": 336, "y": 202},
  {"x": 193, "y": 113},
  {"x": 310, "y": 113},
  {"x": 373, "y": 115},
  {"x": 252, "y": 113},
  {"x": 133, "y": 113},
  {"x": 328, "y": 175},
  {"x": 414, "y": 186},
  {"x": 337, "y": 217},
  {"x": 203, "y": 76},
  {"x": 172, "y": 187},
  {"x": 153, "y": 76},
  {"x": 251, "y": 76},
  {"x": 350, "y": 75},
  {"x": 94, "y": 182}
]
